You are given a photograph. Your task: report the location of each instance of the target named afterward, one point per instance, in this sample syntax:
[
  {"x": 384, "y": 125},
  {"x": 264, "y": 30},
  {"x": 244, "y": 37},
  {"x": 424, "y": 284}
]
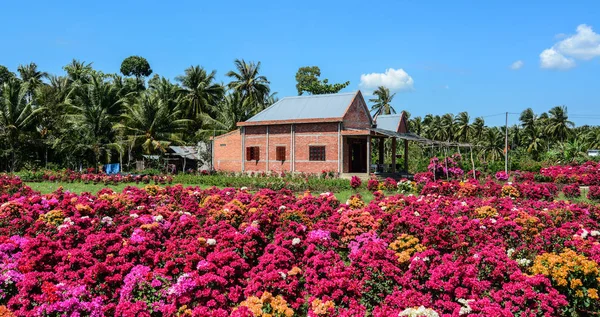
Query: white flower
[
  {"x": 133, "y": 216},
  {"x": 228, "y": 193},
  {"x": 510, "y": 252},
  {"x": 584, "y": 234},
  {"x": 244, "y": 188},
  {"x": 418, "y": 312},
  {"x": 295, "y": 241},
  {"x": 348, "y": 202},
  {"x": 595, "y": 233},
  {"x": 282, "y": 207},
  {"x": 465, "y": 309},
  {"x": 283, "y": 276},
  {"x": 107, "y": 220},
  {"x": 476, "y": 256},
  {"x": 140, "y": 207},
  {"x": 493, "y": 220},
  {"x": 325, "y": 194},
  {"x": 463, "y": 203},
  {"x": 523, "y": 262},
  {"x": 417, "y": 214},
  {"x": 158, "y": 218},
  {"x": 85, "y": 217},
  {"x": 211, "y": 241}
]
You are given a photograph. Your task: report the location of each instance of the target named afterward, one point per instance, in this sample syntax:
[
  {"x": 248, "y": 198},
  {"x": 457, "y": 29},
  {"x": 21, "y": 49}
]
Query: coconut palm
[
  {"x": 448, "y": 127},
  {"x": 32, "y": 77},
  {"x": 558, "y": 125},
  {"x": 478, "y": 127},
  {"x": 15, "y": 114},
  {"x": 492, "y": 144},
  {"x": 463, "y": 127},
  {"x": 233, "y": 111},
  {"x": 152, "y": 122},
  {"x": 78, "y": 71},
  {"x": 416, "y": 125},
  {"x": 382, "y": 102},
  {"x": 252, "y": 86},
  {"x": 92, "y": 115},
  {"x": 201, "y": 92}
]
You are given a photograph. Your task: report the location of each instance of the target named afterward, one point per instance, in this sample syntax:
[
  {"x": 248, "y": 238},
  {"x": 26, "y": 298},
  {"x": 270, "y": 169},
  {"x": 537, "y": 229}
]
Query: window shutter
[
  {"x": 248, "y": 154},
  {"x": 257, "y": 151}
]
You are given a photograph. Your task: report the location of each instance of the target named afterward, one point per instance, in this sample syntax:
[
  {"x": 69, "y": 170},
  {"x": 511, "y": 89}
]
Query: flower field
[{"x": 459, "y": 249}]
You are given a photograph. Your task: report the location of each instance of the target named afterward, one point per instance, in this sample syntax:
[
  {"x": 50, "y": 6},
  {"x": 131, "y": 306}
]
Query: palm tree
[
  {"x": 78, "y": 71},
  {"x": 559, "y": 126},
  {"x": 232, "y": 112},
  {"x": 492, "y": 144},
  {"x": 15, "y": 114},
  {"x": 152, "y": 122},
  {"x": 463, "y": 127},
  {"x": 478, "y": 128},
  {"x": 448, "y": 127},
  {"x": 382, "y": 104},
  {"x": 32, "y": 77},
  {"x": 416, "y": 125},
  {"x": 201, "y": 92},
  {"x": 93, "y": 113},
  {"x": 252, "y": 86}
]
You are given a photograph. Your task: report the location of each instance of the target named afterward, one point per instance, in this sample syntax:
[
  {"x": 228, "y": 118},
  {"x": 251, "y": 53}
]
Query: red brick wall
[
  {"x": 227, "y": 154},
  {"x": 228, "y": 159},
  {"x": 357, "y": 116},
  {"x": 316, "y": 134}
]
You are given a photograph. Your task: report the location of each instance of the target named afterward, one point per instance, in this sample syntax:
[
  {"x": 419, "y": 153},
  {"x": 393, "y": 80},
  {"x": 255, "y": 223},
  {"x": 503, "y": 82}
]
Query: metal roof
[
  {"x": 188, "y": 152},
  {"x": 389, "y": 122},
  {"x": 307, "y": 107}
]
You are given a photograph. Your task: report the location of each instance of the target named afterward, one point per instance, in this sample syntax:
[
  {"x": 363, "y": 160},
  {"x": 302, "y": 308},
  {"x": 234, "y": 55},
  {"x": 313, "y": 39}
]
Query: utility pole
[{"x": 506, "y": 145}]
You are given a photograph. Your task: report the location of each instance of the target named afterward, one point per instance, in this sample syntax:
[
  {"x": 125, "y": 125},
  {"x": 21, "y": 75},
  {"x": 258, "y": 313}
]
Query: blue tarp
[{"x": 114, "y": 168}]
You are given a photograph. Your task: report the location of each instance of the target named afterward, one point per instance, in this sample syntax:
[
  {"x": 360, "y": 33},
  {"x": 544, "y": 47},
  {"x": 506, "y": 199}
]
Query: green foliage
[
  {"x": 382, "y": 102},
  {"x": 136, "y": 66},
  {"x": 5, "y": 75},
  {"x": 308, "y": 81}
]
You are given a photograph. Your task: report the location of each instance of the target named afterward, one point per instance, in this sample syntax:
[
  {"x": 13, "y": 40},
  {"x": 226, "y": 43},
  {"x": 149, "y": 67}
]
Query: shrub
[
  {"x": 572, "y": 191},
  {"x": 355, "y": 182},
  {"x": 373, "y": 185},
  {"x": 502, "y": 176},
  {"x": 594, "y": 193}
]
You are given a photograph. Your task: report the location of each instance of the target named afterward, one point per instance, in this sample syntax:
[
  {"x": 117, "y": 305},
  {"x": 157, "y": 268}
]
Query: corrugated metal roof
[
  {"x": 188, "y": 152},
  {"x": 306, "y": 107},
  {"x": 389, "y": 122}
]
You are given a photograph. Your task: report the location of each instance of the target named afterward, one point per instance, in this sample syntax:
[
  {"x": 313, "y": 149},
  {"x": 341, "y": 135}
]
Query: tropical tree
[
  {"x": 478, "y": 127},
  {"x": 463, "y": 127},
  {"x": 382, "y": 102},
  {"x": 152, "y": 122},
  {"x": 307, "y": 80},
  {"x": 201, "y": 92},
  {"x": 32, "y": 77},
  {"x": 492, "y": 144},
  {"x": 92, "y": 115},
  {"x": 559, "y": 126},
  {"x": 252, "y": 86},
  {"x": 78, "y": 72},
  {"x": 15, "y": 115},
  {"x": 136, "y": 66}
]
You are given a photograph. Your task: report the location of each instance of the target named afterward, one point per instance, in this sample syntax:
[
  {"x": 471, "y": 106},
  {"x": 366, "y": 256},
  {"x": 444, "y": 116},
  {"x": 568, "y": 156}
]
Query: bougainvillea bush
[{"x": 174, "y": 251}]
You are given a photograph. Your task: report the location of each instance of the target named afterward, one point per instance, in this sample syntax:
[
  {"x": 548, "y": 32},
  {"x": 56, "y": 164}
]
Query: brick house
[{"x": 308, "y": 134}]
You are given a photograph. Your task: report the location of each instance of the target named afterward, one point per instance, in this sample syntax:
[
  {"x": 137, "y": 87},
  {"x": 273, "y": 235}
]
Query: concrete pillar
[
  {"x": 368, "y": 154},
  {"x": 406, "y": 156},
  {"x": 267, "y": 160},
  {"x": 243, "y": 149},
  {"x": 381, "y": 149},
  {"x": 394, "y": 145}
]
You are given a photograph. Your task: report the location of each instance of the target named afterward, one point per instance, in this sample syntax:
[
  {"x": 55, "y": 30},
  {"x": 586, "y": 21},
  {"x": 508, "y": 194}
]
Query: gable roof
[
  {"x": 390, "y": 122},
  {"x": 313, "y": 108}
]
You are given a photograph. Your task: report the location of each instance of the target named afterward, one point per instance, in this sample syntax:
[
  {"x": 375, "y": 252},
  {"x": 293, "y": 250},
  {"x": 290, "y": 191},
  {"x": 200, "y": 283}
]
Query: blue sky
[{"x": 441, "y": 56}]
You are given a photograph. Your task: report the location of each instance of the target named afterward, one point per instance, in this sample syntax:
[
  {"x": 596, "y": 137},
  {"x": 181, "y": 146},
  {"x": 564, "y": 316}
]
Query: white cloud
[
  {"x": 552, "y": 59},
  {"x": 584, "y": 45},
  {"x": 393, "y": 79},
  {"x": 517, "y": 65}
]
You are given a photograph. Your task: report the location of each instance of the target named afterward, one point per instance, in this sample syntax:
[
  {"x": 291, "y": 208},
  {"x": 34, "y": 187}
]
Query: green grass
[
  {"x": 48, "y": 187},
  {"x": 581, "y": 199}
]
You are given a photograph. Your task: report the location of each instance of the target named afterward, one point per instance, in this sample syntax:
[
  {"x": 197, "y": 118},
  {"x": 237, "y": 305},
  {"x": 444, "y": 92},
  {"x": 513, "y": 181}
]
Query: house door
[{"x": 358, "y": 157}]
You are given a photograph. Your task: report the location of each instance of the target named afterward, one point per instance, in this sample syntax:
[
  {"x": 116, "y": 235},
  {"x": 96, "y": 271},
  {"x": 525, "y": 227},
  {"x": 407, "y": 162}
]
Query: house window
[
  {"x": 280, "y": 153},
  {"x": 316, "y": 153},
  {"x": 252, "y": 153}
]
